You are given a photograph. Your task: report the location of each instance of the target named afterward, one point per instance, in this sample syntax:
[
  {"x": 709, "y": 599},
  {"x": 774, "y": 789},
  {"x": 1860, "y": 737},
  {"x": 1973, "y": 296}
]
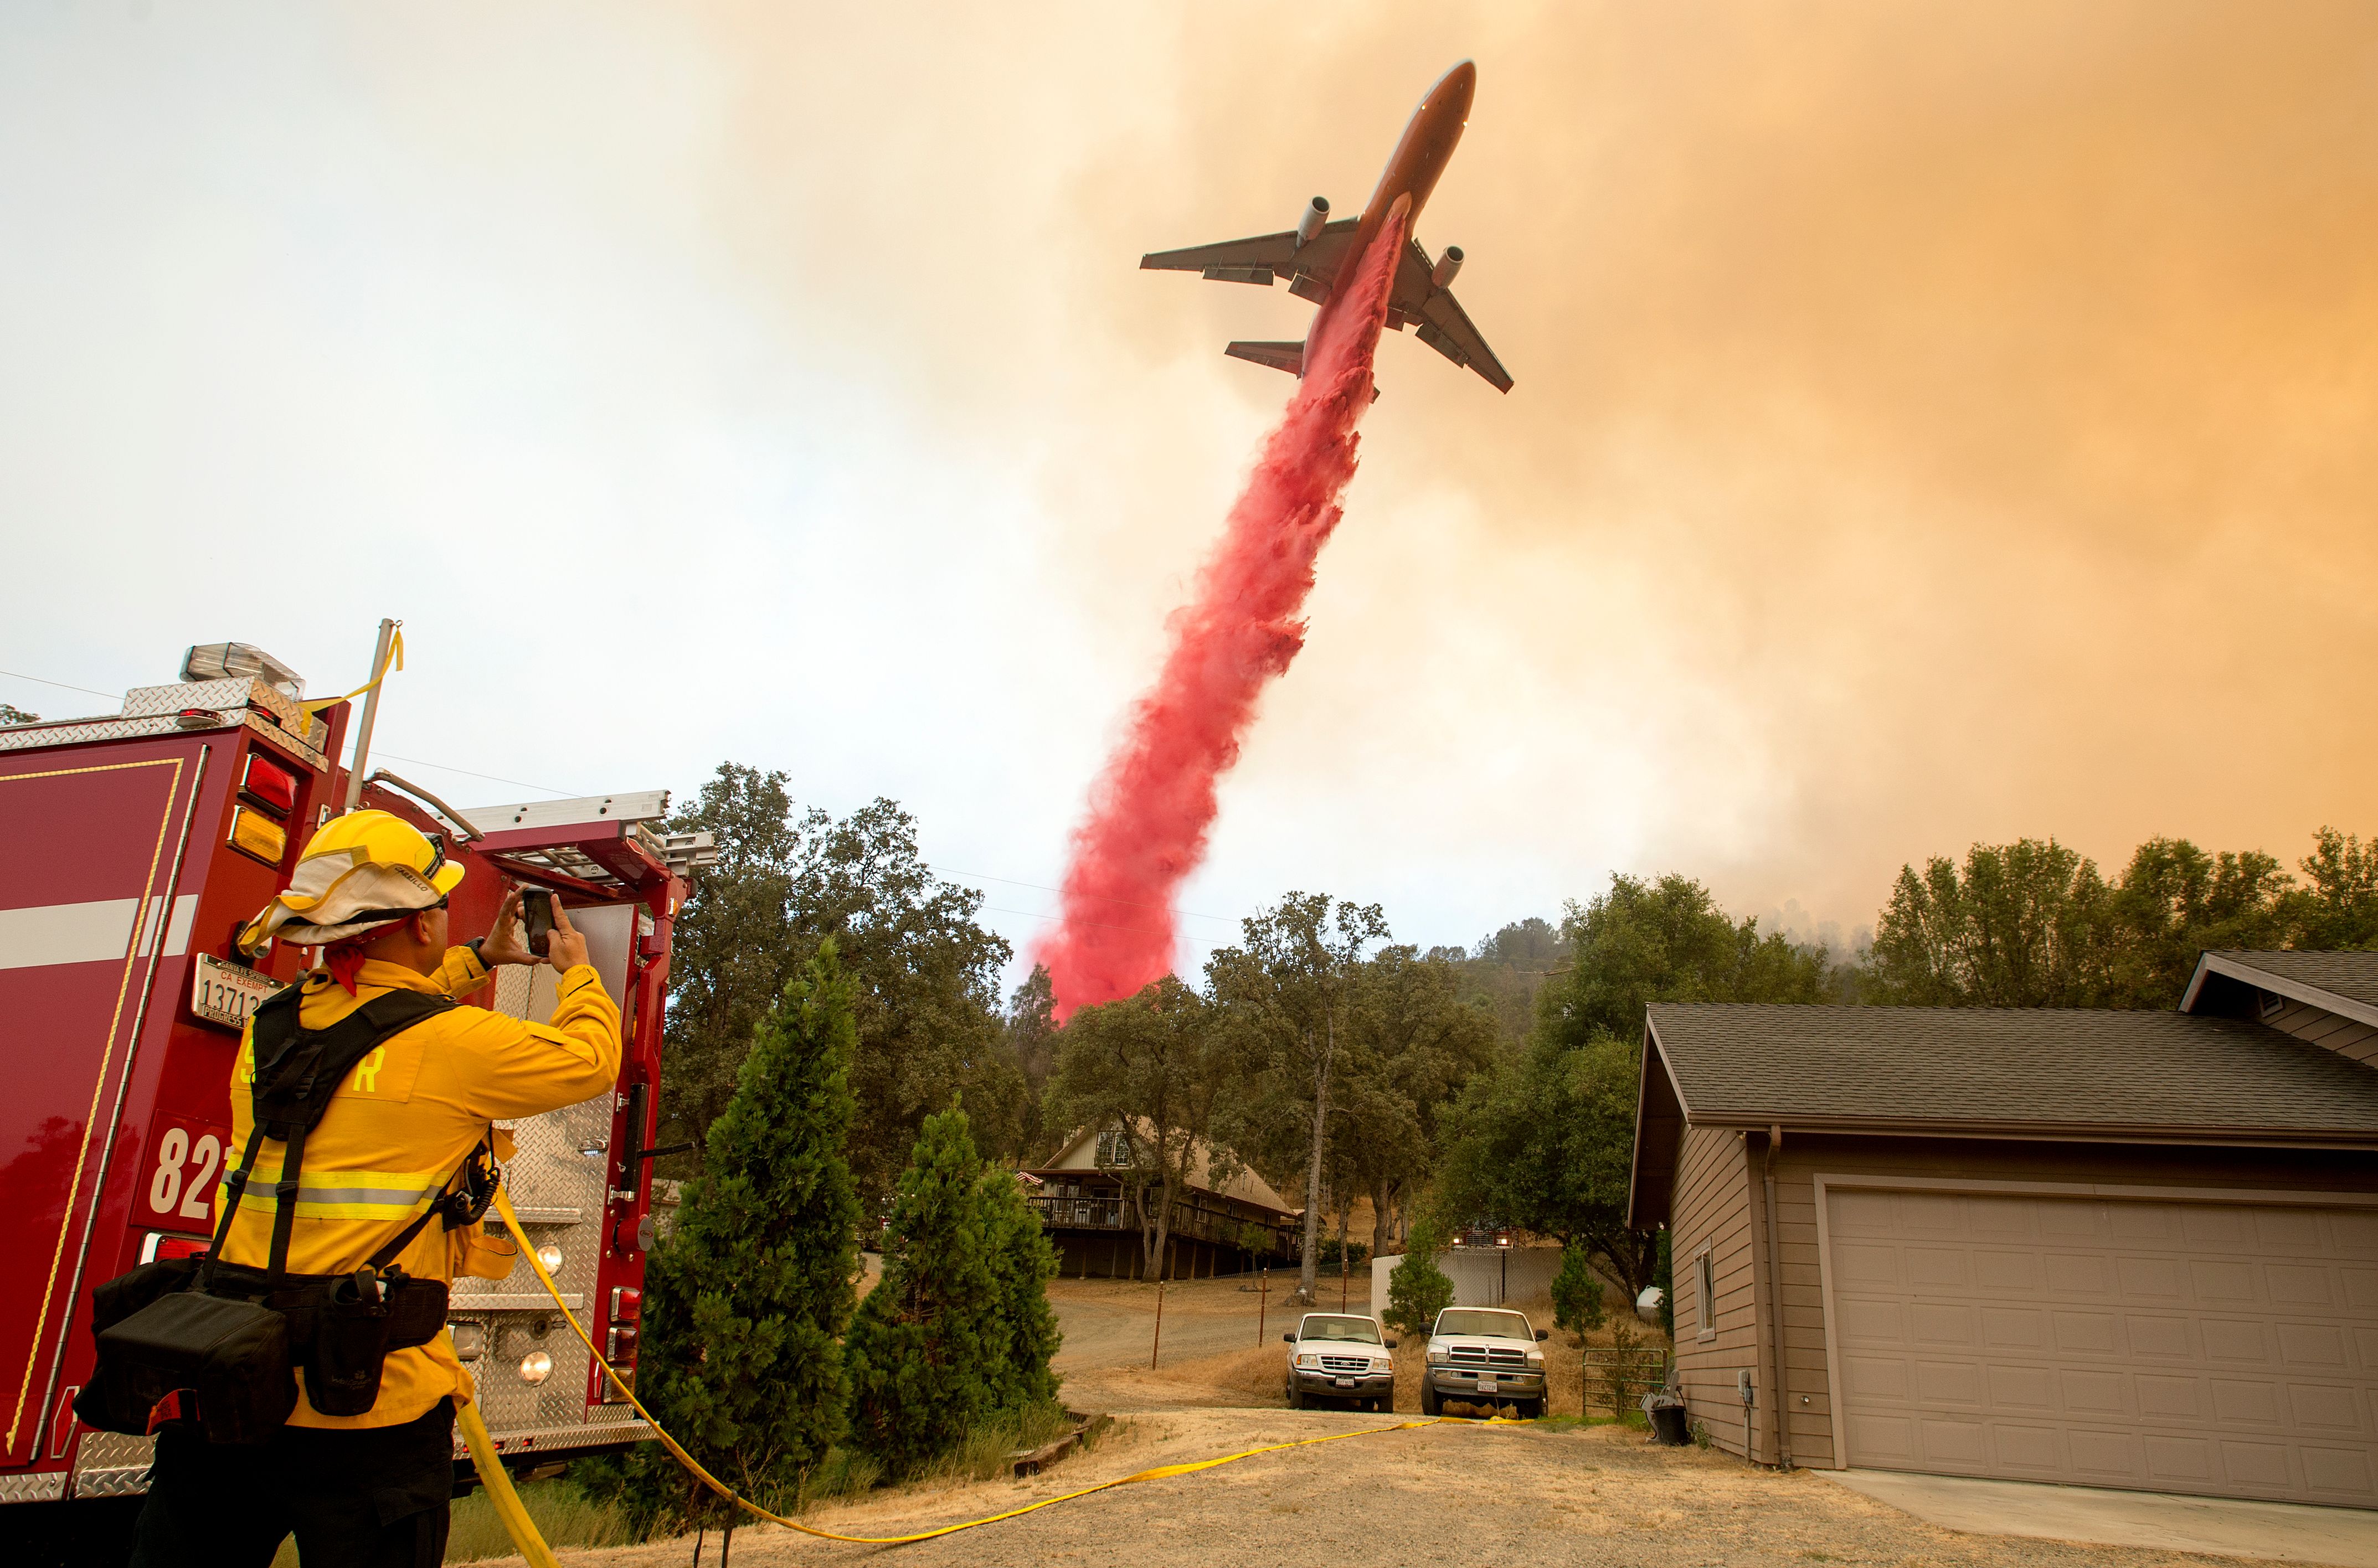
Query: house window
[
  {"x": 1114, "y": 1149},
  {"x": 1704, "y": 1295}
]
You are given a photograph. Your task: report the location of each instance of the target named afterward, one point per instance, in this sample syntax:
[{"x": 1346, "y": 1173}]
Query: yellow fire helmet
[{"x": 364, "y": 870}]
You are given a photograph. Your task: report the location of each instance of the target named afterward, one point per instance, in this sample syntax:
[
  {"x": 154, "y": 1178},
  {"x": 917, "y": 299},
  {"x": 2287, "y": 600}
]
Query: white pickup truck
[
  {"x": 1484, "y": 1356},
  {"x": 1334, "y": 1356}
]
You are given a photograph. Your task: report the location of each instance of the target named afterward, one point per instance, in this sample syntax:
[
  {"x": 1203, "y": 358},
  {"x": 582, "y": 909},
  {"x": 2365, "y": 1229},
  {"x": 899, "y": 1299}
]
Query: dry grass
[{"x": 564, "y": 1516}]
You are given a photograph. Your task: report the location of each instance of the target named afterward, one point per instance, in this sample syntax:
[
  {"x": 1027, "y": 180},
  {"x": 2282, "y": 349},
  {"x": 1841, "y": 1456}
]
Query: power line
[
  {"x": 944, "y": 870},
  {"x": 1043, "y": 887},
  {"x": 416, "y": 762},
  {"x": 62, "y": 686},
  {"x": 450, "y": 768},
  {"x": 1029, "y": 914}
]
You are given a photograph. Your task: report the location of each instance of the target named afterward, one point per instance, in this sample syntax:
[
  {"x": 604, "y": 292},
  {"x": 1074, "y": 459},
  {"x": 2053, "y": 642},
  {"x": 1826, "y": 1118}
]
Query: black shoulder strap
[{"x": 297, "y": 1070}]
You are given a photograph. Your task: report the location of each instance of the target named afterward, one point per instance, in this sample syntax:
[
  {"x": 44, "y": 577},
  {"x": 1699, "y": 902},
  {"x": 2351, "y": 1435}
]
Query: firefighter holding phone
[{"x": 388, "y": 1189}]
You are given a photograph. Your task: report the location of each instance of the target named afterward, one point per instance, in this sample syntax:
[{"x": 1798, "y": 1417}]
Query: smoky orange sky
[{"x": 1933, "y": 424}]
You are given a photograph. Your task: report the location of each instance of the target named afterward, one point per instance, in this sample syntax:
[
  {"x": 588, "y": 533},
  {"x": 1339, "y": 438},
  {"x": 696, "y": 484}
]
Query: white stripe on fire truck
[{"x": 96, "y": 932}]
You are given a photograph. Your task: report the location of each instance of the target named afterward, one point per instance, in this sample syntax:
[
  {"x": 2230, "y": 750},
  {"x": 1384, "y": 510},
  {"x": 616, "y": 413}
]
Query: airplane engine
[
  {"x": 1447, "y": 266},
  {"x": 1309, "y": 222}
]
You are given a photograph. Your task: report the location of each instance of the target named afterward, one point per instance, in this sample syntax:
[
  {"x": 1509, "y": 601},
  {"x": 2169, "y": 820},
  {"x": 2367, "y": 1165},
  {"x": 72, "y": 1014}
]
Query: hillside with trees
[{"x": 1488, "y": 1083}]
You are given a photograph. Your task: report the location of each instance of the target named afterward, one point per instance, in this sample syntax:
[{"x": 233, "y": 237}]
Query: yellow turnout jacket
[{"x": 395, "y": 1131}]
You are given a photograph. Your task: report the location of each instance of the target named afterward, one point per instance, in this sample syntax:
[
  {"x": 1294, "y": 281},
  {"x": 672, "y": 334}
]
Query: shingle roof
[
  {"x": 2078, "y": 1069},
  {"x": 2353, "y": 975}
]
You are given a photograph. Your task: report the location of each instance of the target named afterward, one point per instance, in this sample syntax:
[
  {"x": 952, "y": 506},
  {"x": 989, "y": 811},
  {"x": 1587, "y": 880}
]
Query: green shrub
[
  {"x": 1356, "y": 1253},
  {"x": 1024, "y": 1331},
  {"x": 1417, "y": 1288},
  {"x": 1577, "y": 1293},
  {"x": 746, "y": 1303},
  {"x": 923, "y": 1339}
]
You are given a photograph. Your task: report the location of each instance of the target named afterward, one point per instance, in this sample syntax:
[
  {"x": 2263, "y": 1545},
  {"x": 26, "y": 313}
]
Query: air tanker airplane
[{"x": 1313, "y": 255}]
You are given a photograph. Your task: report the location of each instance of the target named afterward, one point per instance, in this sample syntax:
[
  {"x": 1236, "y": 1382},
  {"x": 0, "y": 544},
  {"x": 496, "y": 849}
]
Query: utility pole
[
  {"x": 371, "y": 712},
  {"x": 1263, "y": 1301},
  {"x": 1156, "y": 1344}
]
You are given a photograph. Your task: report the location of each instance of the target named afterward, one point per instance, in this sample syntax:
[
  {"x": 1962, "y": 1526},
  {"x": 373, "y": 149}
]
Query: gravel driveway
[
  {"x": 1456, "y": 1492},
  {"x": 1461, "y": 1492}
]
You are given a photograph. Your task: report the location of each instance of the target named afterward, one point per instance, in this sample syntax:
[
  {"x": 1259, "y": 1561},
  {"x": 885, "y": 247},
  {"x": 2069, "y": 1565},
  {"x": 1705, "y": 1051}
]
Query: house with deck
[{"x": 1088, "y": 1199}]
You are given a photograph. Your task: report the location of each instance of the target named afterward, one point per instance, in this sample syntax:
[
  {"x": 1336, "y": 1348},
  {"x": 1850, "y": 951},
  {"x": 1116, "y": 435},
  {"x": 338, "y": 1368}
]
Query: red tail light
[
  {"x": 269, "y": 784},
  {"x": 161, "y": 1246}
]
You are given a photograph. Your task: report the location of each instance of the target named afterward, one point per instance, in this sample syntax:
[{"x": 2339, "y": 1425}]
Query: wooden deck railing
[{"x": 1189, "y": 1219}]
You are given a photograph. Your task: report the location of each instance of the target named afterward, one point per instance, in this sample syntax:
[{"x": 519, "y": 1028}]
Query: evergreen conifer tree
[
  {"x": 746, "y": 1302},
  {"x": 1417, "y": 1288},
  {"x": 925, "y": 1338},
  {"x": 1577, "y": 1293},
  {"x": 1024, "y": 1329}
]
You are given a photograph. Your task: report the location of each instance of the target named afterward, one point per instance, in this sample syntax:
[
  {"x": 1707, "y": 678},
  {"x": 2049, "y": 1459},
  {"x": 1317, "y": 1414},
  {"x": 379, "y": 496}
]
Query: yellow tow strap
[
  {"x": 533, "y": 1547},
  {"x": 395, "y": 660}
]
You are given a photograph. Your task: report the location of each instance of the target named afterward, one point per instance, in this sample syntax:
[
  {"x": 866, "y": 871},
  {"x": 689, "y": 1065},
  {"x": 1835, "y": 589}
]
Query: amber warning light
[{"x": 257, "y": 836}]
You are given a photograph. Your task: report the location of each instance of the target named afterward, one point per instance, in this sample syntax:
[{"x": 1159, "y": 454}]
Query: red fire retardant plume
[{"x": 1152, "y": 808}]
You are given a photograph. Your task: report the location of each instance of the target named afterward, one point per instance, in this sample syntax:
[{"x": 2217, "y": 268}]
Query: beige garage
[
  {"x": 2226, "y": 1348},
  {"x": 2130, "y": 1250}
]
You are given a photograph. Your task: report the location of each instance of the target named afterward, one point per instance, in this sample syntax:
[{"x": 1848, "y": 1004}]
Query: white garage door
[{"x": 2220, "y": 1349}]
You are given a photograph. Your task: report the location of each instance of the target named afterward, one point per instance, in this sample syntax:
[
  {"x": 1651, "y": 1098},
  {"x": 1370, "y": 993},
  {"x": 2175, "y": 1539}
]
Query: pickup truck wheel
[
  {"x": 1295, "y": 1397},
  {"x": 1430, "y": 1405}
]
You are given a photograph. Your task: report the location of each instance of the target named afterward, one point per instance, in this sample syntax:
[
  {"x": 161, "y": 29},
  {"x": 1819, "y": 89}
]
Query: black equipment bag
[{"x": 232, "y": 1335}]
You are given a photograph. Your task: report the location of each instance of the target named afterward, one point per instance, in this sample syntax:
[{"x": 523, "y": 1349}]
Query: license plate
[
  {"x": 1486, "y": 1386},
  {"x": 226, "y": 993},
  {"x": 1345, "y": 1382}
]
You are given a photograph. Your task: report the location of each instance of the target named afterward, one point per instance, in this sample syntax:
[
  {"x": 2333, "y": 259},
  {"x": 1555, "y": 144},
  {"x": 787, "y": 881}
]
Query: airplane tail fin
[{"x": 1278, "y": 357}]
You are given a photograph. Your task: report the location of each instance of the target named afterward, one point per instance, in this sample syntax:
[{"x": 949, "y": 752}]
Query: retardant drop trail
[{"x": 1152, "y": 808}]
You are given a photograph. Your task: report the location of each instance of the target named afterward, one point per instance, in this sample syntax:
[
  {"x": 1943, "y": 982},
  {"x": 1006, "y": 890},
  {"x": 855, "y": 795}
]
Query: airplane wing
[
  {"x": 1438, "y": 319},
  {"x": 1264, "y": 259}
]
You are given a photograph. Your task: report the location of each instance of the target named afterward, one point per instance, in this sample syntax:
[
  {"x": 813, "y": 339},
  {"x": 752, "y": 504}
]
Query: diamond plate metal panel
[
  {"x": 231, "y": 692},
  {"x": 45, "y": 1487},
  {"x": 559, "y": 1179},
  {"x": 29, "y": 737},
  {"x": 604, "y": 1430},
  {"x": 112, "y": 1465}
]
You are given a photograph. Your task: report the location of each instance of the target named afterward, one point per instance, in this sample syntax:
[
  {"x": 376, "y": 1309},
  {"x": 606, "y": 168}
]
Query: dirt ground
[
  {"x": 1459, "y": 1491},
  {"x": 1456, "y": 1491}
]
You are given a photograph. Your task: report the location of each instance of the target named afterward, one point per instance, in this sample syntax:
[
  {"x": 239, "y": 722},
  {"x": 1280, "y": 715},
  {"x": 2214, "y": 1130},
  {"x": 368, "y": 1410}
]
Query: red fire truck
[{"x": 131, "y": 848}]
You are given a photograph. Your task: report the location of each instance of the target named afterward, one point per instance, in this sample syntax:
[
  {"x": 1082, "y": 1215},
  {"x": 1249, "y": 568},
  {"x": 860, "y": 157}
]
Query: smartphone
[{"x": 536, "y": 917}]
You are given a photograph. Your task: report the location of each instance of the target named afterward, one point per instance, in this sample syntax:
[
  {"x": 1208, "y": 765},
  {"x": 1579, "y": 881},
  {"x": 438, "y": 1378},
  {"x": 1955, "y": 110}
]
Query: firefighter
[{"x": 373, "y": 1489}]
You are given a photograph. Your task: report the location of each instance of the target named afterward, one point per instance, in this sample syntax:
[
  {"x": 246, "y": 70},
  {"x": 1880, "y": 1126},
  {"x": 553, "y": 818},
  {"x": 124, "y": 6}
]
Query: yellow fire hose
[
  {"x": 523, "y": 1530},
  {"x": 499, "y": 1482}
]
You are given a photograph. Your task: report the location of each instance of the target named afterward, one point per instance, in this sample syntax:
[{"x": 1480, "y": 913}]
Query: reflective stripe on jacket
[{"x": 395, "y": 1131}]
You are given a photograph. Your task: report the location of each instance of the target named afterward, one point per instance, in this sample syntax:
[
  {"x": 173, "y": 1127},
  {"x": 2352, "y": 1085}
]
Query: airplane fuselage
[
  {"x": 1420, "y": 157},
  {"x": 1320, "y": 256}
]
